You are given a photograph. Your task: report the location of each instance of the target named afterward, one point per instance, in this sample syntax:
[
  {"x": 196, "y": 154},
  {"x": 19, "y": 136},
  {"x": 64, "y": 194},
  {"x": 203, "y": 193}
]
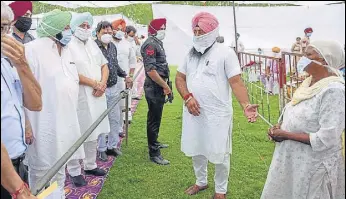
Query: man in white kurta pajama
[
  {"x": 93, "y": 74},
  {"x": 127, "y": 62},
  {"x": 204, "y": 82},
  {"x": 56, "y": 127}
]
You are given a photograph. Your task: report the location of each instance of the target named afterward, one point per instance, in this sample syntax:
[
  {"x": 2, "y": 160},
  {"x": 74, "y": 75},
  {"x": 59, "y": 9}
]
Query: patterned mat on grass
[{"x": 95, "y": 184}]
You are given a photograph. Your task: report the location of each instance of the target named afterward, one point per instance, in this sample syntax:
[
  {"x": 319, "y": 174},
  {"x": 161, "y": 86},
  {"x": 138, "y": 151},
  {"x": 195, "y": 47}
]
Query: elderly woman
[{"x": 307, "y": 161}]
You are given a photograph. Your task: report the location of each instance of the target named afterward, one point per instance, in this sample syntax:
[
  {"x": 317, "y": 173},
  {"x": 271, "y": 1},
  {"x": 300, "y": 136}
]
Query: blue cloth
[
  {"x": 12, "y": 111},
  {"x": 79, "y": 18},
  {"x": 343, "y": 72}
]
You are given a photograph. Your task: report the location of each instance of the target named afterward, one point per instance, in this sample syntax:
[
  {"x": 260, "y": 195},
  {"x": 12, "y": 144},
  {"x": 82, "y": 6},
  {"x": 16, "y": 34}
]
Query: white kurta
[
  {"x": 89, "y": 61},
  {"x": 127, "y": 60},
  {"x": 210, "y": 133},
  {"x": 56, "y": 126},
  {"x": 318, "y": 171}
]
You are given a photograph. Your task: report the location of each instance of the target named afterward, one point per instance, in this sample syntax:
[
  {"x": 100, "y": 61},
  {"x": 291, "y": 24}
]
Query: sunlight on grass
[{"x": 134, "y": 177}]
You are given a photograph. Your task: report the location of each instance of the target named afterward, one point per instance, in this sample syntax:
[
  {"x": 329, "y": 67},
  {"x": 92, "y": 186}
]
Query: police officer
[{"x": 155, "y": 86}]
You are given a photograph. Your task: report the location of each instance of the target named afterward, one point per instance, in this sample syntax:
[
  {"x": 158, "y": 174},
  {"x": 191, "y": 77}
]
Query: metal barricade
[
  {"x": 62, "y": 161},
  {"x": 263, "y": 78},
  {"x": 291, "y": 79}
]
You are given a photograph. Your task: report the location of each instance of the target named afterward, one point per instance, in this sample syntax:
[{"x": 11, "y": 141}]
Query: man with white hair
[
  {"x": 56, "y": 127},
  {"x": 19, "y": 89},
  {"x": 204, "y": 82},
  {"x": 93, "y": 75}
]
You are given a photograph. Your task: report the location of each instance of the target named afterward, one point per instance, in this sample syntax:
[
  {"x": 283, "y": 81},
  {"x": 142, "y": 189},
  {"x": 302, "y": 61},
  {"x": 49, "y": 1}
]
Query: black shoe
[
  {"x": 122, "y": 135},
  {"x": 159, "y": 160},
  {"x": 103, "y": 156},
  {"x": 136, "y": 98},
  {"x": 96, "y": 172},
  {"x": 114, "y": 152},
  {"x": 78, "y": 181}
]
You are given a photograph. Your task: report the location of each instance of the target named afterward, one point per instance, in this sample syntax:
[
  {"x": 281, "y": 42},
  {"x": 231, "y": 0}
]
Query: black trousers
[
  {"x": 22, "y": 171},
  {"x": 156, "y": 100}
]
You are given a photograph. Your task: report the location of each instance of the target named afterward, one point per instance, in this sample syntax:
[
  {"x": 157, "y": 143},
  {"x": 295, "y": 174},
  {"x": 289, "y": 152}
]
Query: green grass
[{"x": 134, "y": 177}]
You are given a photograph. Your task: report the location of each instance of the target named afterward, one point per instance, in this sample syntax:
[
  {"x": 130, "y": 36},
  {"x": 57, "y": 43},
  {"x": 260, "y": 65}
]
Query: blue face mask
[
  {"x": 308, "y": 34},
  {"x": 302, "y": 64},
  {"x": 119, "y": 34},
  {"x": 66, "y": 37}
]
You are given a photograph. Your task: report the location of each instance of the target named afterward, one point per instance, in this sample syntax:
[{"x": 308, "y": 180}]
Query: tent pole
[{"x": 235, "y": 29}]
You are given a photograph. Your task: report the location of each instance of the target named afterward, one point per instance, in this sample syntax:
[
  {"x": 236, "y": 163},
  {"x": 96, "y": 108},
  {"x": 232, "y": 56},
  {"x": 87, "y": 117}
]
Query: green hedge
[{"x": 140, "y": 13}]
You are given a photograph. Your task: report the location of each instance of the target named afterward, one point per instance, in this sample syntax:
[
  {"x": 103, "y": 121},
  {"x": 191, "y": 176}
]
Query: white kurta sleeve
[
  {"x": 183, "y": 67},
  {"x": 232, "y": 66},
  {"x": 31, "y": 58},
  {"x": 331, "y": 120},
  {"x": 132, "y": 58}
]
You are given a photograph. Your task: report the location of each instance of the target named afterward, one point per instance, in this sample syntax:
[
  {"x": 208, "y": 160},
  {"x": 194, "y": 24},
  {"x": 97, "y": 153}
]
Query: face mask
[
  {"x": 106, "y": 38},
  {"x": 130, "y": 39},
  {"x": 66, "y": 37},
  {"x": 302, "y": 64},
  {"x": 260, "y": 52},
  {"x": 119, "y": 35},
  {"x": 201, "y": 43},
  {"x": 161, "y": 34},
  {"x": 308, "y": 34},
  {"x": 23, "y": 24},
  {"x": 82, "y": 34}
]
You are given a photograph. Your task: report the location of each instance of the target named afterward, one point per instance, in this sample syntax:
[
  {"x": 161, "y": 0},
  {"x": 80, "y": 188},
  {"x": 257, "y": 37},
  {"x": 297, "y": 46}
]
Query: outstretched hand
[{"x": 251, "y": 112}]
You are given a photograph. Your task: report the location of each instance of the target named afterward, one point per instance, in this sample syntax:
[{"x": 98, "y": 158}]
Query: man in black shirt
[
  {"x": 104, "y": 34},
  {"x": 155, "y": 86}
]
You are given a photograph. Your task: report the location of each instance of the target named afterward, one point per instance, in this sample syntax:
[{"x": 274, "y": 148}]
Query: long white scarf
[{"x": 305, "y": 91}]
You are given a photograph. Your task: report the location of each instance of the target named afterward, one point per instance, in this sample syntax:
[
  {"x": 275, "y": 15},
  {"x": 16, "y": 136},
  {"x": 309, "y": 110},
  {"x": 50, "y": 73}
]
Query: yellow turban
[{"x": 276, "y": 49}]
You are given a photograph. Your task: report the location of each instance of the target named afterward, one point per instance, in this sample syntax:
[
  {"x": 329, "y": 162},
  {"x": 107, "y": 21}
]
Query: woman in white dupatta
[{"x": 307, "y": 161}]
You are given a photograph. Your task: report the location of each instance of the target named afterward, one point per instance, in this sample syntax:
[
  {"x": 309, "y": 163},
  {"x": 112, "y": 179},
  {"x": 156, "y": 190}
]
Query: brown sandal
[
  {"x": 219, "y": 196},
  {"x": 195, "y": 189}
]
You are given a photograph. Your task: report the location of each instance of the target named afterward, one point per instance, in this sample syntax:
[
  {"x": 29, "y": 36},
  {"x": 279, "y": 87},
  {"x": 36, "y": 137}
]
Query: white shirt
[
  {"x": 89, "y": 61},
  {"x": 56, "y": 126},
  {"x": 209, "y": 134},
  {"x": 126, "y": 55}
]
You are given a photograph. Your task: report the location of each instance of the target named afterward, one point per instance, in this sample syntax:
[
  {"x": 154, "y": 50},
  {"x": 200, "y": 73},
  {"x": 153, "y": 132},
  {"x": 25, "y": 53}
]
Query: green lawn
[{"x": 134, "y": 177}]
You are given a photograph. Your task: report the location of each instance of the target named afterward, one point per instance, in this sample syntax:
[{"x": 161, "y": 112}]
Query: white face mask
[
  {"x": 302, "y": 64},
  {"x": 201, "y": 43},
  {"x": 106, "y": 38},
  {"x": 119, "y": 35},
  {"x": 82, "y": 34},
  {"x": 161, "y": 34},
  {"x": 130, "y": 39}
]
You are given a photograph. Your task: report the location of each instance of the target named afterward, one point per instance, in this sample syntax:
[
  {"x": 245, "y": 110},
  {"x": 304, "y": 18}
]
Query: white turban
[{"x": 332, "y": 52}]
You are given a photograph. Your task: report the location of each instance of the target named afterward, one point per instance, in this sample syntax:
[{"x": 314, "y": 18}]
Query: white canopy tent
[{"x": 263, "y": 27}]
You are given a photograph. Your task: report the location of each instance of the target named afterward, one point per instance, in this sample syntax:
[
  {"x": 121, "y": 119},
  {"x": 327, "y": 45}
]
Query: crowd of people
[{"x": 54, "y": 87}]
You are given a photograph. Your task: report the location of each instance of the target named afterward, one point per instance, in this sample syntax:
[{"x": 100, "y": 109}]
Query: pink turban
[{"x": 205, "y": 21}]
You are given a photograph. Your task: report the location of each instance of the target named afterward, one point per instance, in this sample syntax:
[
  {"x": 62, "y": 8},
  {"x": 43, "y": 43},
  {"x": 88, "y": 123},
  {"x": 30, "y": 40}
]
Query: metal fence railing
[
  {"x": 62, "y": 161},
  {"x": 271, "y": 81}
]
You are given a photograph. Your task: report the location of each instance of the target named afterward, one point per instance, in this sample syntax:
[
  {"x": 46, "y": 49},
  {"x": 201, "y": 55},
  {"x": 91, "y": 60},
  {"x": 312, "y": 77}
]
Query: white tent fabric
[{"x": 262, "y": 27}]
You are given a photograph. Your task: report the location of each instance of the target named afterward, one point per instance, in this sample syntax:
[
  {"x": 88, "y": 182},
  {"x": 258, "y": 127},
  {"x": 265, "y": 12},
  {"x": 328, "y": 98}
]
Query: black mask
[{"x": 23, "y": 24}]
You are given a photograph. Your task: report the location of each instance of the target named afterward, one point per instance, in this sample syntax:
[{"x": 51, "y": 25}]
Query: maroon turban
[
  {"x": 155, "y": 25},
  {"x": 205, "y": 21},
  {"x": 308, "y": 30},
  {"x": 19, "y": 8}
]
